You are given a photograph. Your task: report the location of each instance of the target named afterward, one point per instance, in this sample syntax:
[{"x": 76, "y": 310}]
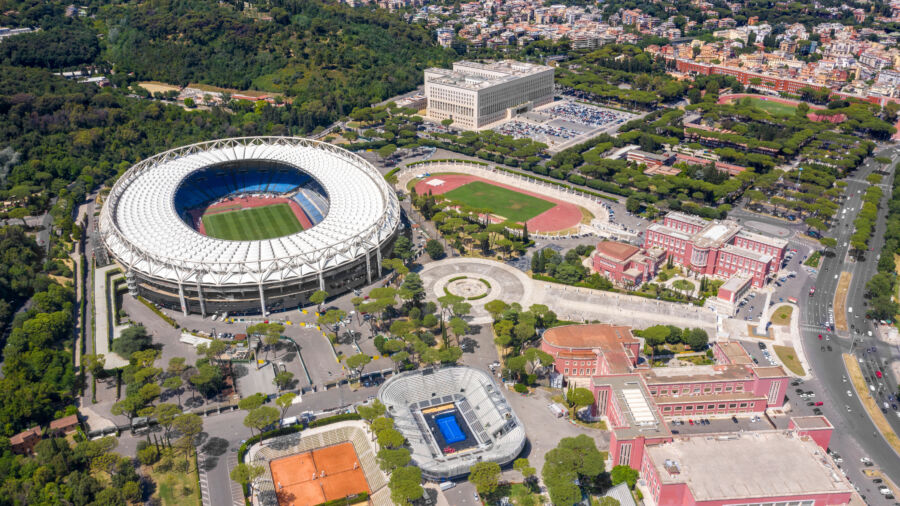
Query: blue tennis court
[{"x": 449, "y": 428}]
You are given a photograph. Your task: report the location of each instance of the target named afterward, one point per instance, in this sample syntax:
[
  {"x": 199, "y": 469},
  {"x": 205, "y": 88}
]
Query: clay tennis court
[
  {"x": 318, "y": 476},
  {"x": 562, "y": 216}
]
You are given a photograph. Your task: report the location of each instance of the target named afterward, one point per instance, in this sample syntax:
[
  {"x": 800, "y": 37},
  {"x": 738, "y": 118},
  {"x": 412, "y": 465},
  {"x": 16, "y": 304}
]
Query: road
[{"x": 855, "y": 435}]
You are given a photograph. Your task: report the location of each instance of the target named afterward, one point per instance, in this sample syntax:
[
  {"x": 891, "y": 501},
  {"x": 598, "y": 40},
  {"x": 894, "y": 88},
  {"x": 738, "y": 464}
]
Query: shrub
[{"x": 521, "y": 388}]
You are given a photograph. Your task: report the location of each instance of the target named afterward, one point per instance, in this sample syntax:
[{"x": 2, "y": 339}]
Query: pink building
[
  {"x": 716, "y": 248},
  {"x": 765, "y": 467},
  {"x": 626, "y": 265}
]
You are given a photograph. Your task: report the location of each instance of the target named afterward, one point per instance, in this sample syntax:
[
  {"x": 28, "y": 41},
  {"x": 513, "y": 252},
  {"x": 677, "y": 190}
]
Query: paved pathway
[{"x": 569, "y": 303}]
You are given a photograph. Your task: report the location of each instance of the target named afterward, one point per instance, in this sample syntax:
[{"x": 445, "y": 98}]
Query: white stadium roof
[{"x": 142, "y": 229}]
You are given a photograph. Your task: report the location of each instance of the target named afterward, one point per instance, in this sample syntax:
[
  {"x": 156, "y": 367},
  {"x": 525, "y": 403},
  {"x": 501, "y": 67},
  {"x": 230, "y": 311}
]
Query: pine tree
[{"x": 525, "y": 232}]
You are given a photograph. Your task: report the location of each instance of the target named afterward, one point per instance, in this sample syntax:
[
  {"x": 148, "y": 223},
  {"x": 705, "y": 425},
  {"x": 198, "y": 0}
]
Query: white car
[{"x": 849, "y": 393}]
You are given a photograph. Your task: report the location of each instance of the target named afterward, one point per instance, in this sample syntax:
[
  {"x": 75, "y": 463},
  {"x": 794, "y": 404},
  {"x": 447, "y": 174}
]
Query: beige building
[{"x": 476, "y": 94}]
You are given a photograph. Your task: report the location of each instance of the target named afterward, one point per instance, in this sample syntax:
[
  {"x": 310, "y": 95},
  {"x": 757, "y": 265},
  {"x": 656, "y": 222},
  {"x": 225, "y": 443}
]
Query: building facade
[
  {"x": 474, "y": 95},
  {"x": 626, "y": 265},
  {"x": 716, "y": 248}
]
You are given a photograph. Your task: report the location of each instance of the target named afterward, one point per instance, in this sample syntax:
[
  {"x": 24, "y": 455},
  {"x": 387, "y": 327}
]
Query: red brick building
[
  {"x": 626, "y": 265},
  {"x": 716, "y": 248}
]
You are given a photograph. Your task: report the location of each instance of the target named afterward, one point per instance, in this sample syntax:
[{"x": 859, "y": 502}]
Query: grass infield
[
  {"x": 252, "y": 224},
  {"x": 774, "y": 108},
  {"x": 510, "y": 204}
]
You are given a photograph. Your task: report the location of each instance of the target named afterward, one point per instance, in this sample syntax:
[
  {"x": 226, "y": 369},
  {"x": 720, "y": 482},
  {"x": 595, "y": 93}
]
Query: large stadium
[
  {"x": 453, "y": 418},
  {"x": 249, "y": 225}
]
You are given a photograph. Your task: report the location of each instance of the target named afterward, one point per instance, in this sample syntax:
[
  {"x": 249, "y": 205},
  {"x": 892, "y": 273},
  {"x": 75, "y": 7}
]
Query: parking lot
[
  {"x": 719, "y": 425},
  {"x": 563, "y": 123}
]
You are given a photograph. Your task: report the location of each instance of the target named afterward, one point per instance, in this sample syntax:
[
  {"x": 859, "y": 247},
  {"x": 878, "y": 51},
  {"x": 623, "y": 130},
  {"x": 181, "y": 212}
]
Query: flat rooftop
[
  {"x": 748, "y": 465},
  {"x": 774, "y": 371},
  {"x": 746, "y": 253},
  {"x": 636, "y": 405},
  {"x": 735, "y": 352},
  {"x": 696, "y": 374},
  {"x": 716, "y": 234},
  {"x": 662, "y": 229},
  {"x": 475, "y": 76},
  {"x": 811, "y": 422},
  {"x": 765, "y": 239}
]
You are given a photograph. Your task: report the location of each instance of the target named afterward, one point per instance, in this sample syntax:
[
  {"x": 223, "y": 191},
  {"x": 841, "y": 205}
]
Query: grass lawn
[
  {"x": 813, "y": 260},
  {"x": 773, "y": 108},
  {"x": 176, "y": 488},
  {"x": 683, "y": 285},
  {"x": 510, "y": 204},
  {"x": 782, "y": 315},
  {"x": 252, "y": 224},
  {"x": 788, "y": 356}
]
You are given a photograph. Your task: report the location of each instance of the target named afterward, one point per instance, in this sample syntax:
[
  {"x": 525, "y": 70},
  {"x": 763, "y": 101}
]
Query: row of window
[
  {"x": 708, "y": 407},
  {"x": 583, "y": 372},
  {"x": 695, "y": 389}
]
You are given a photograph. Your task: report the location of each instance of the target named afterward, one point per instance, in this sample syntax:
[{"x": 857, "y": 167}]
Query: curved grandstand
[
  {"x": 453, "y": 418},
  {"x": 249, "y": 225}
]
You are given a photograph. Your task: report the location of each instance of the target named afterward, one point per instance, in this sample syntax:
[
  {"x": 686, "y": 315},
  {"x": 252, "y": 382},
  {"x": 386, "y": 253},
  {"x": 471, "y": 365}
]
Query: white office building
[{"x": 476, "y": 94}]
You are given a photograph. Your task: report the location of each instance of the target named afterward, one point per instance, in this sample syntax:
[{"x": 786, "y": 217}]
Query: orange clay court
[{"x": 299, "y": 479}]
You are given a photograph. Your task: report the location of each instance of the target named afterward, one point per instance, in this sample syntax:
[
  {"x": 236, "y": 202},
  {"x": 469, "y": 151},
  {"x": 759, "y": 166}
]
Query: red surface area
[
  {"x": 234, "y": 204},
  {"x": 315, "y": 477},
  {"x": 559, "y": 217}
]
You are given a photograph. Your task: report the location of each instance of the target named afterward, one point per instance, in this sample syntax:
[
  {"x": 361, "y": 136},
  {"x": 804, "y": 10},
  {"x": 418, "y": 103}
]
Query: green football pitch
[
  {"x": 510, "y": 204},
  {"x": 252, "y": 224},
  {"x": 773, "y": 108}
]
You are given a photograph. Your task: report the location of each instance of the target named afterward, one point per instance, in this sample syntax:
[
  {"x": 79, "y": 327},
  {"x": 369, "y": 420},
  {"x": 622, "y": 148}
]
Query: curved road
[{"x": 855, "y": 435}]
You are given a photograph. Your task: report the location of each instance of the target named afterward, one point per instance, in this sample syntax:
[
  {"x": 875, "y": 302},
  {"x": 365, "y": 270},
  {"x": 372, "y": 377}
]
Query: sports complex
[
  {"x": 501, "y": 201},
  {"x": 332, "y": 463},
  {"x": 249, "y": 225},
  {"x": 453, "y": 418}
]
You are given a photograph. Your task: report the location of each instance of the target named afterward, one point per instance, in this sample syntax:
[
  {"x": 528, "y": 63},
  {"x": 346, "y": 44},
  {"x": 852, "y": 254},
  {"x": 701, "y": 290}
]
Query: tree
[
  {"x": 387, "y": 150},
  {"x": 318, "y": 298},
  {"x": 579, "y": 398},
  {"x": 390, "y": 438},
  {"x": 213, "y": 349},
  {"x": 406, "y": 485},
  {"x": 132, "y": 339},
  {"x": 189, "y": 426},
  {"x": 496, "y": 307},
  {"x": 174, "y": 384},
  {"x": 270, "y": 332},
  {"x": 412, "y": 288},
  {"x": 332, "y": 317},
  {"x": 828, "y": 242},
  {"x": 459, "y": 327},
  {"x": 389, "y": 459},
  {"x": 245, "y": 473},
  {"x": 283, "y": 379},
  {"x": 94, "y": 364},
  {"x": 435, "y": 249},
  {"x": 485, "y": 476},
  {"x": 252, "y": 402},
  {"x": 371, "y": 412},
  {"x": 285, "y": 401},
  {"x": 623, "y": 474},
  {"x": 523, "y": 466},
  {"x": 358, "y": 362},
  {"x": 447, "y": 122},
  {"x": 165, "y": 414},
  {"x": 697, "y": 339},
  {"x": 261, "y": 418}
]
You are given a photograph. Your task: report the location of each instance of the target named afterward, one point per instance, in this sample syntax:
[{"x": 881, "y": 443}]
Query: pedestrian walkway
[{"x": 103, "y": 319}]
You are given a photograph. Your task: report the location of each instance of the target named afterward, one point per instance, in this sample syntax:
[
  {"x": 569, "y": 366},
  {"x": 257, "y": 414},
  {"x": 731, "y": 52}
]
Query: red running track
[
  {"x": 246, "y": 203},
  {"x": 559, "y": 217}
]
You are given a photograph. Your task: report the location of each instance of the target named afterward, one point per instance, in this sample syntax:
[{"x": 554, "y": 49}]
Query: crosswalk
[
  {"x": 237, "y": 493},
  {"x": 204, "y": 480}
]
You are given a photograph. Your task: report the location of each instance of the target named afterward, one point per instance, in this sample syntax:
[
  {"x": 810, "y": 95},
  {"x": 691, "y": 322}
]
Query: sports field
[
  {"x": 510, "y": 204},
  {"x": 252, "y": 224}
]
